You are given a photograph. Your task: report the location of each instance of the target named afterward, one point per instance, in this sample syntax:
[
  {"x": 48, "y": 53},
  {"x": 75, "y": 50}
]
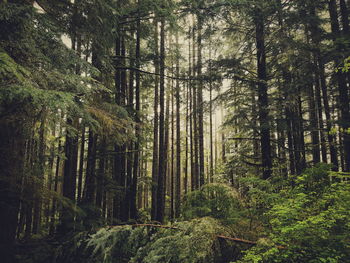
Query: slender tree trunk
[
  {"x": 12, "y": 147},
  {"x": 263, "y": 98},
  {"x": 223, "y": 139},
  {"x": 41, "y": 160},
  {"x": 155, "y": 159},
  {"x": 133, "y": 208},
  {"x": 70, "y": 163},
  {"x": 81, "y": 163},
  {"x": 167, "y": 167},
  {"x": 178, "y": 136},
  {"x": 130, "y": 147},
  {"x": 172, "y": 148},
  {"x": 344, "y": 12},
  {"x": 162, "y": 142},
  {"x": 101, "y": 174},
  {"x": 315, "y": 140},
  {"x": 319, "y": 110},
  {"x": 281, "y": 135},
  {"x": 56, "y": 180},
  {"x": 90, "y": 181},
  {"x": 200, "y": 103},
  {"x": 342, "y": 88},
  {"x": 195, "y": 112},
  {"x": 211, "y": 159},
  {"x": 185, "y": 171},
  {"x": 298, "y": 134},
  {"x": 331, "y": 138},
  {"x": 121, "y": 208},
  {"x": 190, "y": 66},
  {"x": 315, "y": 34}
]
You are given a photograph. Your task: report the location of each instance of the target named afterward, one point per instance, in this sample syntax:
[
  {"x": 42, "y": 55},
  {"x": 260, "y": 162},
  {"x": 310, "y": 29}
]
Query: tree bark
[
  {"x": 133, "y": 207},
  {"x": 178, "y": 137},
  {"x": 342, "y": 88},
  {"x": 200, "y": 102},
  {"x": 265, "y": 140},
  {"x": 155, "y": 159},
  {"x": 162, "y": 142},
  {"x": 12, "y": 145}
]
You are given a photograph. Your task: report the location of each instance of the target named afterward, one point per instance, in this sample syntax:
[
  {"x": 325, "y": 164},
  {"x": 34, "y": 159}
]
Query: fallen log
[{"x": 239, "y": 240}]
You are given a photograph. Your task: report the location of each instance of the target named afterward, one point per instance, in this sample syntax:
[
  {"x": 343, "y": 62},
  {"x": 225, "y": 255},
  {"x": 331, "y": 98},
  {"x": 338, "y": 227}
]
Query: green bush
[
  {"x": 194, "y": 241},
  {"x": 215, "y": 200},
  {"x": 311, "y": 221}
]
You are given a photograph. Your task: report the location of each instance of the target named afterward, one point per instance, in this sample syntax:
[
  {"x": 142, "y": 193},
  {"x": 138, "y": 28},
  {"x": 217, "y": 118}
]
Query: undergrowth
[
  {"x": 301, "y": 219},
  {"x": 194, "y": 241}
]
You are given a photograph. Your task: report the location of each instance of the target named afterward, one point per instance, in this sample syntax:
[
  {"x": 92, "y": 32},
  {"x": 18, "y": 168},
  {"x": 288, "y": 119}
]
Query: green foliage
[
  {"x": 215, "y": 200},
  {"x": 194, "y": 242},
  {"x": 186, "y": 242},
  {"x": 346, "y": 65},
  {"x": 310, "y": 220}
]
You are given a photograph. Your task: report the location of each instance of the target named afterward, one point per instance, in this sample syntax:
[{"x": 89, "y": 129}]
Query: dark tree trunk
[
  {"x": 70, "y": 163},
  {"x": 342, "y": 88},
  {"x": 172, "y": 148},
  {"x": 190, "y": 83},
  {"x": 130, "y": 147},
  {"x": 200, "y": 103},
  {"x": 155, "y": 159},
  {"x": 315, "y": 140},
  {"x": 41, "y": 160},
  {"x": 344, "y": 12},
  {"x": 120, "y": 207},
  {"x": 178, "y": 137},
  {"x": 12, "y": 146},
  {"x": 320, "y": 115},
  {"x": 195, "y": 113},
  {"x": 185, "y": 167},
  {"x": 211, "y": 158},
  {"x": 133, "y": 206},
  {"x": 55, "y": 187},
  {"x": 265, "y": 140},
  {"x": 90, "y": 181},
  {"x": 81, "y": 163},
  {"x": 100, "y": 178},
  {"x": 162, "y": 142}
]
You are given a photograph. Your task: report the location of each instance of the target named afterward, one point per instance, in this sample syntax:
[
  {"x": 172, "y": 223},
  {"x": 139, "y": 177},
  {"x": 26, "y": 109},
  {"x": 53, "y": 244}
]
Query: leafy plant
[
  {"x": 310, "y": 221},
  {"x": 215, "y": 200}
]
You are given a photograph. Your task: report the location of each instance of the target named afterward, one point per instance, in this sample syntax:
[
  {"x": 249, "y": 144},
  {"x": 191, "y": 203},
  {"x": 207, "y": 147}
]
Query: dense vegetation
[{"x": 174, "y": 131}]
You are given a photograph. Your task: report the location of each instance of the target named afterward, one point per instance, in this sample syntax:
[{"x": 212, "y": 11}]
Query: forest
[{"x": 180, "y": 131}]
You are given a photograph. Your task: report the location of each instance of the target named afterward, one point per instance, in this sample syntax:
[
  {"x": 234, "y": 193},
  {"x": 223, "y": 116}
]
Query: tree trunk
[
  {"x": 155, "y": 159},
  {"x": 178, "y": 136},
  {"x": 90, "y": 180},
  {"x": 81, "y": 163},
  {"x": 12, "y": 146},
  {"x": 195, "y": 111},
  {"x": 211, "y": 158},
  {"x": 265, "y": 140},
  {"x": 172, "y": 147},
  {"x": 342, "y": 88},
  {"x": 162, "y": 143},
  {"x": 133, "y": 205},
  {"x": 200, "y": 103},
  {"x": 41, "y": 160}
]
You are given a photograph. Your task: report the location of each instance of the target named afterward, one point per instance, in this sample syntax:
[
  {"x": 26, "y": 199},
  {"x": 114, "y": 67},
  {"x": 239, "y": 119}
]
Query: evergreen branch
[{"x": 239, "y": 240}]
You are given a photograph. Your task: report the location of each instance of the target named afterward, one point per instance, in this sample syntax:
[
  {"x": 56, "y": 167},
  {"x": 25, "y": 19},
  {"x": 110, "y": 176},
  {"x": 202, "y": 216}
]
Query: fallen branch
[
  {"x": 239, "y": 240},
  {"x": 244, "y": 241},
  {"x": 159, "y": 226}
]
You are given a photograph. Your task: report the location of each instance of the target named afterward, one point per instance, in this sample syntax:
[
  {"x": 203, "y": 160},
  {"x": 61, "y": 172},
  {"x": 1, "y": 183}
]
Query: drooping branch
[
  {"x": 186, "y": 78},
  {"x": 239, "y": 240}
]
